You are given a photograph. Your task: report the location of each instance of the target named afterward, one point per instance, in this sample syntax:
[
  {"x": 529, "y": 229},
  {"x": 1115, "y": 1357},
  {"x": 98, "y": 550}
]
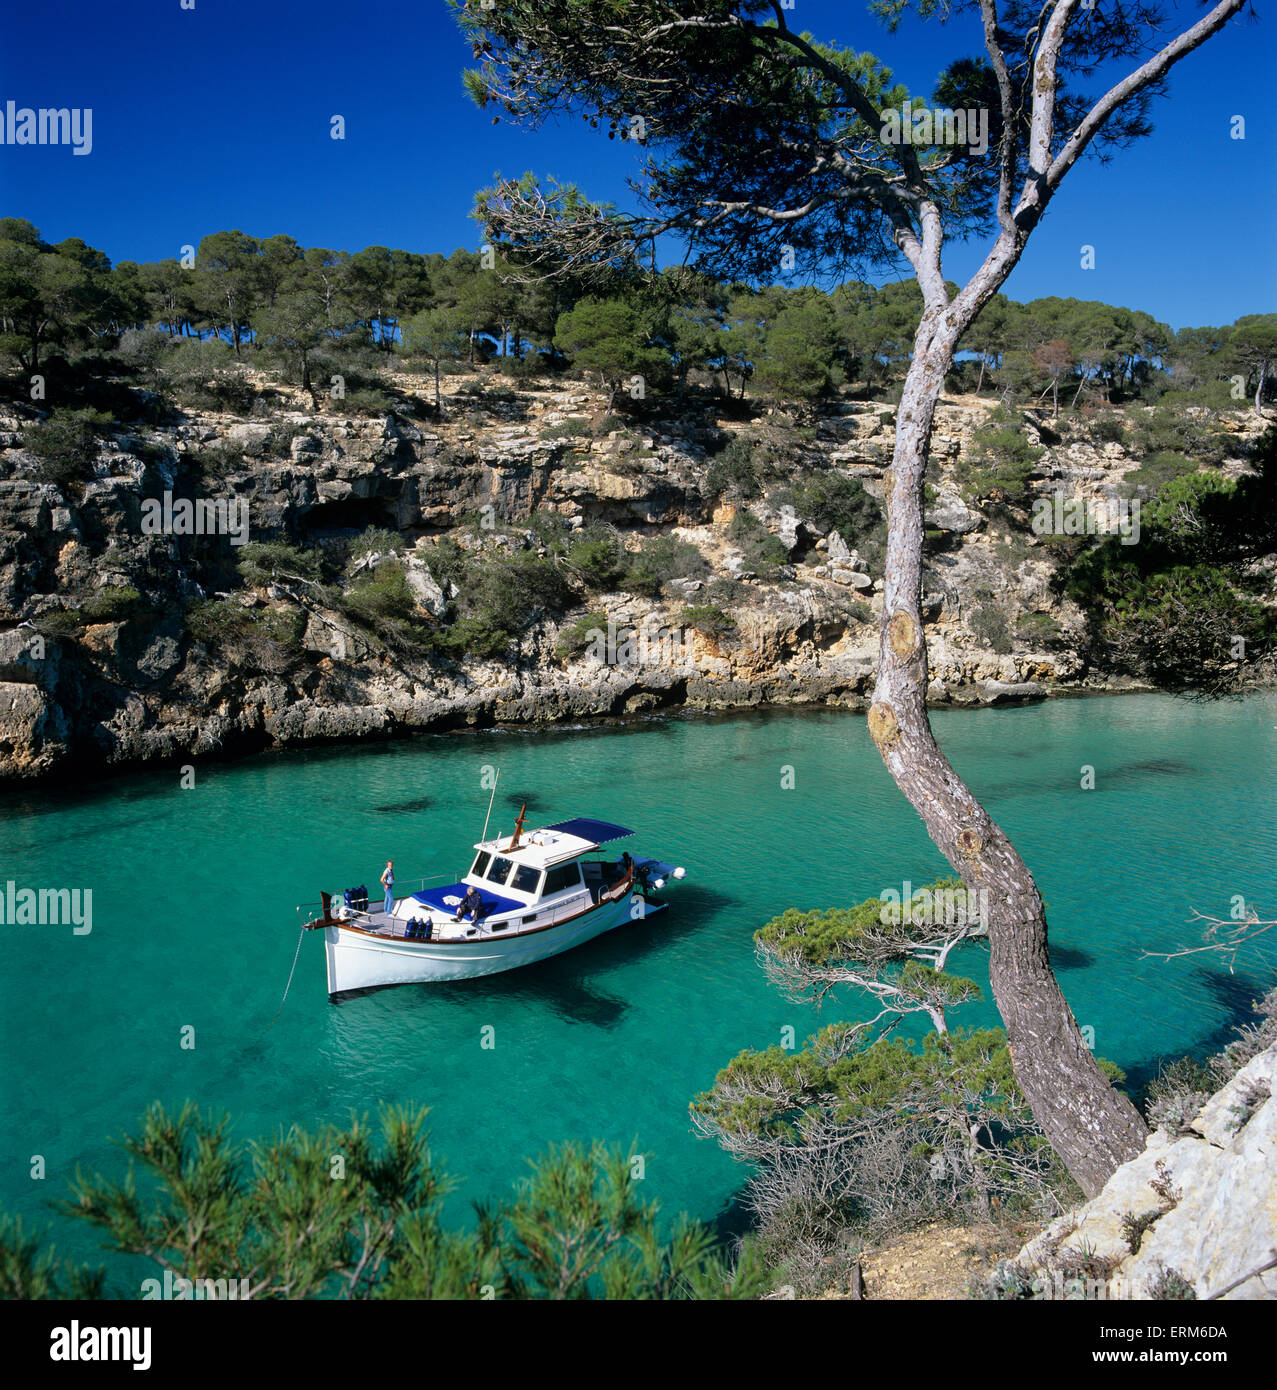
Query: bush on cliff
[
  {"x": 255, "y": 639},
  {"x": 732, "y": 474},
  {"x": 580, "y": 634},
  {"x": 762, "y": 552},
  {"x": 1000, "y": 460},
  {"x": 661, "y": 560},
  {"x": 708, "y": 619},
  {"x": 1184, "y": 608},
  {"x": 66, "y": 446}
]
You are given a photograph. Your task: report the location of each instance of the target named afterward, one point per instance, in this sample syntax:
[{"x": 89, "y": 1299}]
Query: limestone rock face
[
  {"x": 111, "y": 686},
  {"x": 1211, "y": 1194},
  {"x": 949, "y": 513}
]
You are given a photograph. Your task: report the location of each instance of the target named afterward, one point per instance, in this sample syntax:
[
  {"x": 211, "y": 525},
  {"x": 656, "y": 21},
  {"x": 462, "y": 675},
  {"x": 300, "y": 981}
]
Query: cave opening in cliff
[{"x": 351, "y": 514}]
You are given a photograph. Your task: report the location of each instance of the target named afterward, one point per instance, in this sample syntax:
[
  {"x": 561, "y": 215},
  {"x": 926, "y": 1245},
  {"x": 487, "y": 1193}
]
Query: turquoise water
[{"x": 194, "y": 923}]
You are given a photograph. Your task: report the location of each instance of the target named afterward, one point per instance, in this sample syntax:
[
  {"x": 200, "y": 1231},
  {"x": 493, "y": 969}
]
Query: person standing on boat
[{"x": 388, "y": 883}]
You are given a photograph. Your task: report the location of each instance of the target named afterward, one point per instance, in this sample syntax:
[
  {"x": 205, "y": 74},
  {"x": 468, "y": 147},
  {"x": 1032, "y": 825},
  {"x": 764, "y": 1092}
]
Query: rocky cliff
[
  {"x": 1194, "y": 1216},
  {"x": 129, "y": 682}
]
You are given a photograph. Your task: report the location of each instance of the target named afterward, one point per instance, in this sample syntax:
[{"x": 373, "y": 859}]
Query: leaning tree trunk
[{"x": 1090, "y": 1125}]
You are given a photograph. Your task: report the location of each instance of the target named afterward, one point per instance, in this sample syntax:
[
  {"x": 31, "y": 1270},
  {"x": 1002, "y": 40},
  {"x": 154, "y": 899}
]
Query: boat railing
[{"x": 359, "y": 915}]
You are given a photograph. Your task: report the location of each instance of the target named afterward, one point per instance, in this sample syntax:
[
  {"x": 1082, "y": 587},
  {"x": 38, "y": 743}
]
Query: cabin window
[
  {"x": 482, "y": 860},
  {"x": 500, "y": 870},
  {"x": 562, "y": 876},
  {"x": 526, "y": 878}
]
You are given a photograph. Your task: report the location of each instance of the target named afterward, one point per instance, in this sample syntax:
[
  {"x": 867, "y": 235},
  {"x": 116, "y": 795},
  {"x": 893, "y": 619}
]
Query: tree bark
[{"x": 1091, "y": 1126}]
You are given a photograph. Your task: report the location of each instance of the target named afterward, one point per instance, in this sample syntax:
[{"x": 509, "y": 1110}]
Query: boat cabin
[{"x": 533, "y": 879}]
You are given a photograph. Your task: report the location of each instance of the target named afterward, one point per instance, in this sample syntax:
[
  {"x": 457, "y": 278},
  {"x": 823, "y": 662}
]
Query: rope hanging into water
[{"x": 300, "y": 937}]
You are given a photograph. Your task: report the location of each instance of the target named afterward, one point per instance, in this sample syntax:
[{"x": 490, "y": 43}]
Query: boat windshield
[
  {"x": 482, "y": 860},
  {"x": 500, "y": 870}
]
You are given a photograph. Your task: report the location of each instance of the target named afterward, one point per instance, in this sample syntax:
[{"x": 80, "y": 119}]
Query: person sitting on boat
[
  {"x": 471, "y": 903},
  {"x": 388, "y": 883}
]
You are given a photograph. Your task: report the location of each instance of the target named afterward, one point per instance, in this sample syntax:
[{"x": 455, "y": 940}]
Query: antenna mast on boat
[{"x": 491, "y": 799}]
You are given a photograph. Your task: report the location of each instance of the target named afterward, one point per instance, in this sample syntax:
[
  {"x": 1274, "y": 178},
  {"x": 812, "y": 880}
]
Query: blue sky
[{"x": 218, "y": 117}]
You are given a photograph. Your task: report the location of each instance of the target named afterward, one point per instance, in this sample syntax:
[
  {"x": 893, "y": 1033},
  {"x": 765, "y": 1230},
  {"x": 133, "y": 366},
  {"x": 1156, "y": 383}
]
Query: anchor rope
[{"x": 300, "y": 936}]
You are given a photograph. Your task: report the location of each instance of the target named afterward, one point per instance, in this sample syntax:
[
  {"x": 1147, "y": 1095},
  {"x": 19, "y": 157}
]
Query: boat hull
[{"x": 361, "y": 960}]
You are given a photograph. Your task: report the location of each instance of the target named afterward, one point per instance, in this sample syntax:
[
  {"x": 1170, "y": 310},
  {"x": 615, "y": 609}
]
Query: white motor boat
[{"x": 527, "y": 897}]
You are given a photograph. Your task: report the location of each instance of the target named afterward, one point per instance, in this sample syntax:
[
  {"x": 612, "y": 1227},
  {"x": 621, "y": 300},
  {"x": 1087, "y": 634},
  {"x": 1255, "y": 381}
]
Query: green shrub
[
  {"x": 507, "y": 594},
  {"x": 212, "y": 462},
  {"x": 551, "y": 530},
  {"x": 1039, "y": 628},
  {"x": 205, "y": 376},
  {"x": 1106, "y": 429},
  {"x": 1157, "y": 470},
  {"x": 732, "y": 473},
  {"x": 266, "y": 639},
  {"x": 989, "y": 625},
  {"x": 109, "y": 605},
  {"x": 660, "y": 560},
  {"x": 708, "y": 619},
  {"x": 368, "y": 402},
  {"x": 278, "y": 443},
  {"x": 1170, "y": 427},
  {"x": 66, "y": 446},
  {"x": 113, "y": 605},
  {"x": 531, "y": 364},
  {"x": 1000, "y": 462},
  {"x": 61, "y": 624},
  {"x": 475, "y": 636},
  {"x": 376, "y": 541},
  {"x": 574, "y": 428},
  {"x": 763, "y": 553},
  {"x": 598, "y": 562},
  {"x": 264, "y": 562},
  {"x": 447, "y": 563},
  {"x": 381, "y": 593},
  {"x": 835, "y": 502},
  {"x": 578, "y": 635}
]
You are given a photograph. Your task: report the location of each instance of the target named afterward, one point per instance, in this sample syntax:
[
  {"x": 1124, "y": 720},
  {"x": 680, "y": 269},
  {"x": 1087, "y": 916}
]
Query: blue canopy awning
[
  {"x": 493, "y": 903},
  {"x": 600, "y": 831}
]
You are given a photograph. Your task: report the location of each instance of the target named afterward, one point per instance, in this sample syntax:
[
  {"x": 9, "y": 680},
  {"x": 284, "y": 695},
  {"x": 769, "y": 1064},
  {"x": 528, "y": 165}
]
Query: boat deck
[{"x": 598, "y": 878}]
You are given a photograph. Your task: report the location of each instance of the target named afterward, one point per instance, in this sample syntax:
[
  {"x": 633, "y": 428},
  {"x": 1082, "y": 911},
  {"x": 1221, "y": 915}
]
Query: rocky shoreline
[{"x": 137, "y": 688}]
